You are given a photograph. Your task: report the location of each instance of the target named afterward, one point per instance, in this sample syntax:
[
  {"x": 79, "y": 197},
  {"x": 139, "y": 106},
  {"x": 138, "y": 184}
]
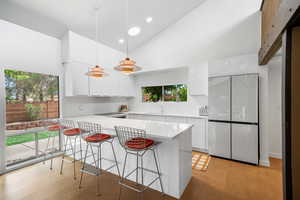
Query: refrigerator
[{"x": 233, "y": 125}]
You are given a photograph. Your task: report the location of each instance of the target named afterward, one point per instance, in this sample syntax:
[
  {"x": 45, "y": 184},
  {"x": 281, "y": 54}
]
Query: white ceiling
[{"x": 55, "y": 17}]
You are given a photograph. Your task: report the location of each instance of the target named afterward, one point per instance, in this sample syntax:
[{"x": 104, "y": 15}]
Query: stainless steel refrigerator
[{"x": 233, "y": 127}]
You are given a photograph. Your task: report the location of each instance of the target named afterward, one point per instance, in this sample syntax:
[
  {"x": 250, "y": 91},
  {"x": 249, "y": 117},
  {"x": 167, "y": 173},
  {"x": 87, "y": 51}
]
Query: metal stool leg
[
  {"x": 157, "y": 168},
  {"x": 63, "y": 157},
  {"x": 53, "y": 144},
  {"x": 137, "y": 168},
  {"x": 123, "y": 172},
  {"x": 113, "y": 150},
  {"x": 86, "y": 150},
  {"x": 142, "y": 170},
  {"x": 74, "y": 158},
  {"x": 99, "y": 167}
]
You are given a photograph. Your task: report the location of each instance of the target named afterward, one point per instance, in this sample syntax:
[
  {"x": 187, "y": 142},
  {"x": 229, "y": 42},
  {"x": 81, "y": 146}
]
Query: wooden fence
[{"x": 16, "y": 112}]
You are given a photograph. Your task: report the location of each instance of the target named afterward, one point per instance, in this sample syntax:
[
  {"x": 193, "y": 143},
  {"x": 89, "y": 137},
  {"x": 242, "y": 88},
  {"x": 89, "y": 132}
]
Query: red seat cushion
[
  {"x": 97, "y": 137},
  {"x": 139, "y": 143},
  {"x": 71, "y": 132},
  {"x": 56, "y": 128}
]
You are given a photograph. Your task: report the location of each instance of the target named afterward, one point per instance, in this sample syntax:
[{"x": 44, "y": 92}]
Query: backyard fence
[{"x": 16, "y": 112}]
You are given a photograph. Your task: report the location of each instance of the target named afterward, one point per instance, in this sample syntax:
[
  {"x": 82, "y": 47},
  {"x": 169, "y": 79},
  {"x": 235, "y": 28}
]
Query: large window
[
  {"x": 31, "y": 100},
  {"x": 167, "y": 93}
]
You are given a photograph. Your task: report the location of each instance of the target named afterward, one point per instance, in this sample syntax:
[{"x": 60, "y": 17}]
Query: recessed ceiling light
[
  {"x": 121, "y": 41},
  {"x": 149, "y": 19},
  {"x": 134, "y": 31}
]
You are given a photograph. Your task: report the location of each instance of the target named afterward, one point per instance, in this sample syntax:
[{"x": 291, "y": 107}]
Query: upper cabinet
[
  {"x": 198, "y": 79},
  {"x": 79, "y": 55}
]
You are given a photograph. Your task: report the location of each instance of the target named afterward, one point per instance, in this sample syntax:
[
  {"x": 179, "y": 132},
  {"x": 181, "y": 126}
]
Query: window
[
  {"x": 167, "y": 93},
  {"x": 152, "y": 94},
  {"x": 31, "y": 98}
]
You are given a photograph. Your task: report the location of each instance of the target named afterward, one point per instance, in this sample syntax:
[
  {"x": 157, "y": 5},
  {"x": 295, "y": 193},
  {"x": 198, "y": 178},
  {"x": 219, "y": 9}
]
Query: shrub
[{"x": 33, "y": 111}]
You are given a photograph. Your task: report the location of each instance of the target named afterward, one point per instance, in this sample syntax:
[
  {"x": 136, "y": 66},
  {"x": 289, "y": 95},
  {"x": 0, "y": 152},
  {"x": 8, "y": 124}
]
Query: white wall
[
  {"x": 214, "y": 30},
  {"x": 275, "y": 104},
  {"x": 249, "y": 64},
  {"x": 170, "y": 77}
]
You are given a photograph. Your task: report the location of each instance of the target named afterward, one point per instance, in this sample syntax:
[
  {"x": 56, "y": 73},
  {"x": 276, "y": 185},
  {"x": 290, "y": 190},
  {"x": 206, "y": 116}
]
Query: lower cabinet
[
  {"x": 200, "y": 138},
  {"x": 199, "y": 131}
]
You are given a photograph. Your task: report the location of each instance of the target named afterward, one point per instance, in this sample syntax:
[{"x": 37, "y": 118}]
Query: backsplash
[{"x": 77, "y": 106}]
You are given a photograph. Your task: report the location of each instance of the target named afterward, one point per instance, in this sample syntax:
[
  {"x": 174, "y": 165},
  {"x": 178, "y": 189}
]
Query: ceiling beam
[{"x": 276, "y": 15}]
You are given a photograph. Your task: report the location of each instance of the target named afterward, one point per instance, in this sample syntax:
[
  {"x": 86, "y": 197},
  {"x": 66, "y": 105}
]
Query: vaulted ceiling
[{"x": 55, "y": 17}]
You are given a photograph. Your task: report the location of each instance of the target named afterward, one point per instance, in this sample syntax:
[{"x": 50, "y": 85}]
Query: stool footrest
[
  {"x": 148, "y": 170},
  {"x": 136, "y": 189}
]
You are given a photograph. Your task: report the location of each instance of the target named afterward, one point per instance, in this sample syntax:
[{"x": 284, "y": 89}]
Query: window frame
[{"x": 163, "y": 93}]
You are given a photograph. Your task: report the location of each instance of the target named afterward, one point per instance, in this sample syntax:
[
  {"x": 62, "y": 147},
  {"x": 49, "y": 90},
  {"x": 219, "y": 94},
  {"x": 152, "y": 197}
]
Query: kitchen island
[{"x": 174, "y": 151}]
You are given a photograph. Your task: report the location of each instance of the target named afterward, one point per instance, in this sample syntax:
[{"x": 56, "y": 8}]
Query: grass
[{"x": 19, "y": 139}]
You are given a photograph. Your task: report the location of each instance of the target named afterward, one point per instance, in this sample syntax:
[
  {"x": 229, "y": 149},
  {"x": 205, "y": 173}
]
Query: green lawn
[{"x": 19, "y": 139}]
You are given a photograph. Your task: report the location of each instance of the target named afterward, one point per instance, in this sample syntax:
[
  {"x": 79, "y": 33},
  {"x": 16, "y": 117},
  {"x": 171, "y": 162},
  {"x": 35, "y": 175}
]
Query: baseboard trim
[
  {"x": 265, "y": 163},
  {"x": 275, "y": 155}
]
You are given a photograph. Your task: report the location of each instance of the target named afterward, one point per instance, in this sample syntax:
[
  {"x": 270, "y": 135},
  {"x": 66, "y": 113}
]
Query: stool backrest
[
  {"x": 90, "y": 128},
  {"x": 127, "y": 133},
  {"x": 67, "y": 123}
]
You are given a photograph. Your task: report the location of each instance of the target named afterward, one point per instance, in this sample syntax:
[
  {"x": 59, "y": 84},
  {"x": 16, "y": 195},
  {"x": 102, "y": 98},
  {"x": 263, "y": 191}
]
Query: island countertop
[{"x": 163, "y": 130}]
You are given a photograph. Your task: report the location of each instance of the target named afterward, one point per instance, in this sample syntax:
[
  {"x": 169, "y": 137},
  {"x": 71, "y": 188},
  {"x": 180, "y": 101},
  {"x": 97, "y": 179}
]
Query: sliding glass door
[{"x": 30, "y": 103}]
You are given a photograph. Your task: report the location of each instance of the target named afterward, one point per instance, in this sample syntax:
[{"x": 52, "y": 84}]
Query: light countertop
[
  {"x": 169, "y": 115},
  {"x": 163, "y": 130}
]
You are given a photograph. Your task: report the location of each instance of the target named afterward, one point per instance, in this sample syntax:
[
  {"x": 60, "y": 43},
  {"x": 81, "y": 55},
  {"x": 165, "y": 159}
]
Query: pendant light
[
  {"x": 127, "y": 65},
  {"x": 97, "y": 71}
]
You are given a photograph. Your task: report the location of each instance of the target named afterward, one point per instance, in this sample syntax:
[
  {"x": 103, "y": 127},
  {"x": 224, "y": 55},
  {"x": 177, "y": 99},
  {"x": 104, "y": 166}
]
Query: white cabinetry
[
  {"x": 198, "y": 79},
  {"x": 76, "y": 84},
  {"x": 79, "y": 55},
  {"x": 200, "y": 138},
  {"x": 199, "y": 130}
]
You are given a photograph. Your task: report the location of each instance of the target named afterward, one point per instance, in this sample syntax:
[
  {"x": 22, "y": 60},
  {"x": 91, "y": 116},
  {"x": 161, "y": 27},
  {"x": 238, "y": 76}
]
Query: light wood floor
[{"x": 224, "y": 180}]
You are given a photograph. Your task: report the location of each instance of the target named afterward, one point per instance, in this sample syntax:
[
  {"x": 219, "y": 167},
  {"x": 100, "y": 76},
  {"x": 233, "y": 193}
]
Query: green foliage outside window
[
  {"x": 152, "y": 94},
  {"x": 168, "y": 93},
  {"x": 33, "y": 111}
]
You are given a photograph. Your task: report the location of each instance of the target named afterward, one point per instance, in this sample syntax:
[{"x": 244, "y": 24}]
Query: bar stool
[
  {"x": 52, "y": 126},
  {"x": 134, "y": 142},
  {"x": 96, "y": 138},
  {"x": 70, "y": 132}
]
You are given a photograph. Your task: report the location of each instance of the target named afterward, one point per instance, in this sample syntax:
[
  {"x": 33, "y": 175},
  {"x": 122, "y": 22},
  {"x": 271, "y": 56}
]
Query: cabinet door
[
  {"x": 219, "y": 139},
  {"x": 245, "y": 143},
  {"x": 198, "y": 134},
  {"x": 126, "y": 85},
  {"x": 245, "y": 98},
  {"x": 77, "y": 83}
]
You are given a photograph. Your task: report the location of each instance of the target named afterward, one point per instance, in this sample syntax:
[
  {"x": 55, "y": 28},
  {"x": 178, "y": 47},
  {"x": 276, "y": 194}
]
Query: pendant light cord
[
  {"x": 96, "y": 36},
  {"x": 126, "y": 32}
]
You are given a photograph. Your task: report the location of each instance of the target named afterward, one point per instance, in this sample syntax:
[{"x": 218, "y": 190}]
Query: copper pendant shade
[
  {"x": 127, "y": 66},
  {"x": 96, "y": 72}
]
